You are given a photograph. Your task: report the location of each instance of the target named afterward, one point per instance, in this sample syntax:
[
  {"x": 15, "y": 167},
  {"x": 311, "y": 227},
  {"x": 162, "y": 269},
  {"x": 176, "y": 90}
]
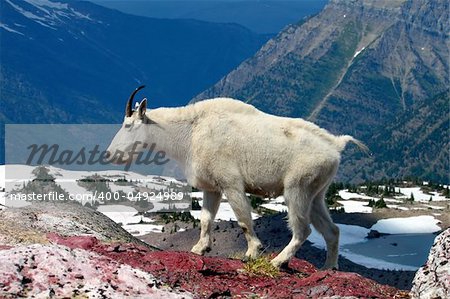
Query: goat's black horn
[{"x": 128, "y": 109}]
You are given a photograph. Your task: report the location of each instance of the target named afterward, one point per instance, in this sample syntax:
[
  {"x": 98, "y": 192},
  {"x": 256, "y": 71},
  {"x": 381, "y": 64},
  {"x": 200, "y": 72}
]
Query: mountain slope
[
  {"x": 354, "y": 68},
  {"x": 74, "y": 61},
  {"x": 266, "y": 16},
  {"x": 429, "y": 127}
]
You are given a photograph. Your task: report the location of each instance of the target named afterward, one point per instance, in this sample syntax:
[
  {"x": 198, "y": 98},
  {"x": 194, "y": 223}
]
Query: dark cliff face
[{"x": 354, "y": 68}]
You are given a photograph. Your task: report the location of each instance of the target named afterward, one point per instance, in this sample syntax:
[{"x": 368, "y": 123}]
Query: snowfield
[
  {"x": 352, "y": 206},
  {"x": 120, "y": 213},
  {"x": 46, "y": 13},
  {"x": 225, "y": 213},
  {"x": 275, "y": 204},
  {"x": 357, "y": 203},
  {"x": 345, "y": 194},
  {"x": 130, "y": 220},
  {"x": 409, "y": 225},
  {"x": 419, "y": 195},
  {"x": 275, "y": 207},
  {"x": 349, "y": 234},
  {"x": 67, "y": 179}
]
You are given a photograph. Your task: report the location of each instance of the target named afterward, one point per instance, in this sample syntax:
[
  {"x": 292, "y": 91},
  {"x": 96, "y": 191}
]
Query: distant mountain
[
  {"x": 268, "y": 16},
  {"x": 74, "y": 61},
  {"x": 378, "y": 70}
]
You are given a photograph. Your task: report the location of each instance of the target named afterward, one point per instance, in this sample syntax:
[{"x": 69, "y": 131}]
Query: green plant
[{"x": 261, "y": 266}]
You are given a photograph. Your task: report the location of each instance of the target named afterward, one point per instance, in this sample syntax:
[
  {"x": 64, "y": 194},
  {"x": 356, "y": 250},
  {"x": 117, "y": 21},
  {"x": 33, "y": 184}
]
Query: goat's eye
[{"x": 127, "y": 126}]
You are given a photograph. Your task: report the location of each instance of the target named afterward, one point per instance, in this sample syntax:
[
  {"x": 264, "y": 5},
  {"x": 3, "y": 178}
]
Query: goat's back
[{"x": 233, "y": 140}]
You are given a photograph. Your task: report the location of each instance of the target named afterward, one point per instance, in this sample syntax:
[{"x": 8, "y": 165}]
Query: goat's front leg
[
  {"x": 211, "y": 202},
  {"x": 242, "y": 209}
]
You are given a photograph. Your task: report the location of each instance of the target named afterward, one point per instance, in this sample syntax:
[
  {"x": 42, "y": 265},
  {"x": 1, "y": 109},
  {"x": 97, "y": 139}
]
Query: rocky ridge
[{"x": 75, "y": 262}]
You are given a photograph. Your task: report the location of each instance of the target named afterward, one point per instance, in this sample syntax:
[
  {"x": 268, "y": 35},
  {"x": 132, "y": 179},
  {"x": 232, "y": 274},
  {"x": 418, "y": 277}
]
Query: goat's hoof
[
  {"x": 200, "y": 251},
  {"x": 285, "y": 267},
  {"x": 246, "y": 258},
  {"x": 196, "y": 252},
  {"x": 279, "y": 264},
  {"x": 334, "y": 268}
]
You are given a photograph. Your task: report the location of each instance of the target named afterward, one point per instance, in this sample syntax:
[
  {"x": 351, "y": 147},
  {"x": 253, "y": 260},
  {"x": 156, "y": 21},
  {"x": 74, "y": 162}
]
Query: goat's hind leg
[
  {"x": 323, "y": 223},
  {"x": 299, "y": 205},
  {"x": 211, "y": 203}
]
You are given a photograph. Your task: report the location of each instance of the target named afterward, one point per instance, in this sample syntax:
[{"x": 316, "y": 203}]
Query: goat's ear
[{"x": 142, "y": 108}]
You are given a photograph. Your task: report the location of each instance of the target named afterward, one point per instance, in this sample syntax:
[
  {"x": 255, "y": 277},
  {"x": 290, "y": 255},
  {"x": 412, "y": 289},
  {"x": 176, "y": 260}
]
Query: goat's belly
[{"x": 265, "y": 191}]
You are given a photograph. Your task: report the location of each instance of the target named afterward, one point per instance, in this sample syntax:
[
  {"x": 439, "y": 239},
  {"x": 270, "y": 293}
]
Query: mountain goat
[{"x": 231, "y": 148}]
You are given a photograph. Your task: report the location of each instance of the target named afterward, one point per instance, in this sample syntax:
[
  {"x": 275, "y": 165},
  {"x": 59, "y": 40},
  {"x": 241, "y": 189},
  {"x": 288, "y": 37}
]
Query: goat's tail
[{"x": 344, "y": 139}]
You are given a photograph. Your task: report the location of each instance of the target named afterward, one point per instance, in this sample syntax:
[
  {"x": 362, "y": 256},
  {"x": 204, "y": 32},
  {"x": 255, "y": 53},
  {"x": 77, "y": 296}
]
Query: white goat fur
[{"x": 229, "y": 147}]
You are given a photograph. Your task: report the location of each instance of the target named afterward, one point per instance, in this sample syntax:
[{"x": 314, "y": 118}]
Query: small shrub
[
  {"x": 380, "y": 204},
  {"x": 256, "y": 201},
  {"x": 195, "y": 205},
  {"x": 261, "y": 266}
]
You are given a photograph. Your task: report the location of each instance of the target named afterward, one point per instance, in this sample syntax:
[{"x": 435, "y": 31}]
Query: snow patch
[
  {"x": 120, "y": 213},
  {"x": 409, "y": 225},
  {"x": 349, "y": 234},
  {"x": 279, "y": 199},
  {"x": 434, "y": 207},
  {"x": 353, "y": 206},
  {"x": 358, "y": 52},
  {"x": 4, "y": 26},
  {"x": 24, "y": 12},
  {"x": 225, "y": 213},
  {"x": 128, "y": 217},
  {"x": 48, "y": 13},
  {"x": 275, "y": 207},
  {"x": 345, "y": 194},
  {"x": 40, "y": 3},
  {"x": 143, "y": 229},
  {"x": 397, "y": 207},
  {"x": 419, "y": 195}
]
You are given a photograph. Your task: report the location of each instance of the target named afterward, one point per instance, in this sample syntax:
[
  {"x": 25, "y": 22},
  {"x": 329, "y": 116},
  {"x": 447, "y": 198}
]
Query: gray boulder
[
  {"x": 433, "y": 279},
  {"x": 29, "y": 225}
]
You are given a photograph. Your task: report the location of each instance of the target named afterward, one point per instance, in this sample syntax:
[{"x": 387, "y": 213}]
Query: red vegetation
[{"x": 212, "y": 277}]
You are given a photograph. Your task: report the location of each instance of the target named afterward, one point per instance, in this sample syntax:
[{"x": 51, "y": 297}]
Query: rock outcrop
[
  {"x": 433, "y": 279},
  {"x": 29, "y": 225},
  {"x": 50, "y": 270}
]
